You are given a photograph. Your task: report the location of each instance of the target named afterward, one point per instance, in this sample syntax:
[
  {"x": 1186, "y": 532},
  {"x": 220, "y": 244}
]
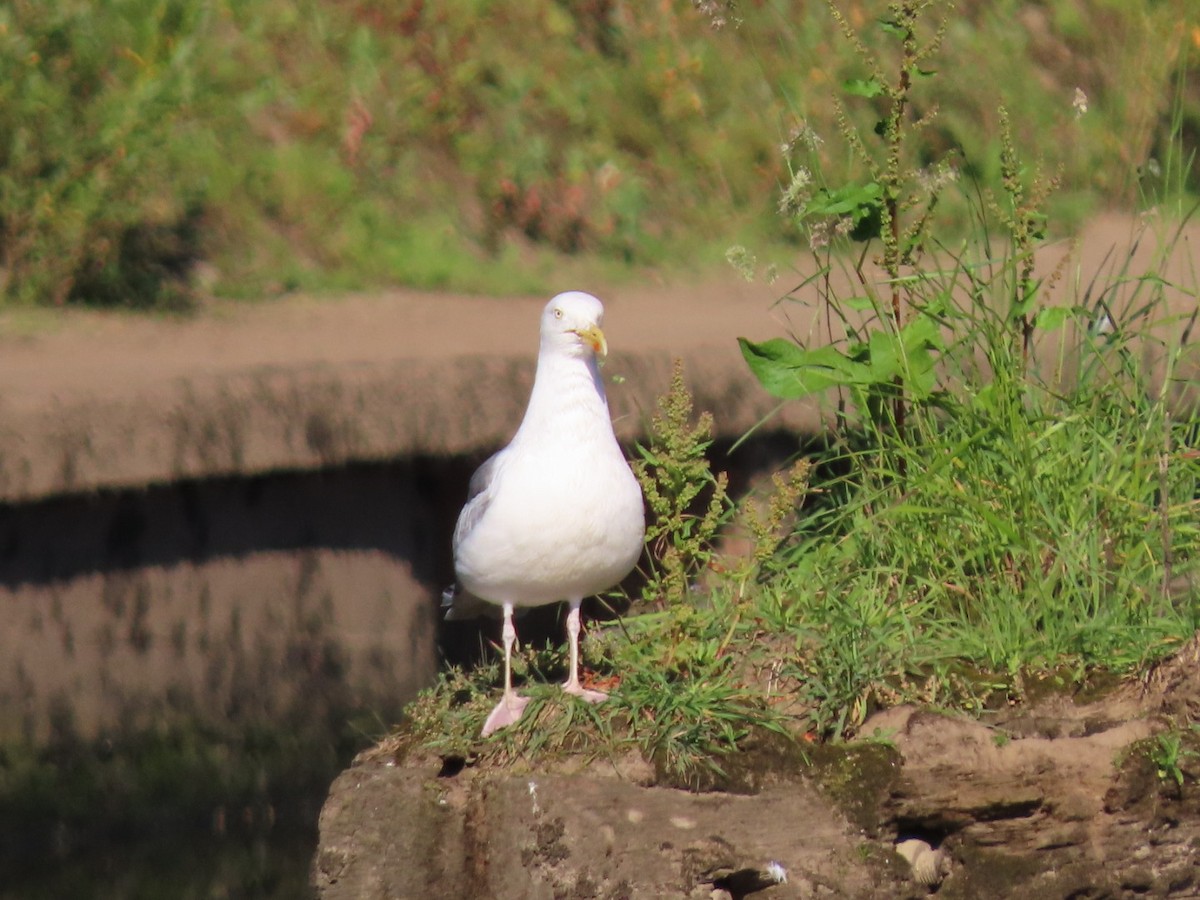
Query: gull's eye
[{"x": 557, "y": 313}]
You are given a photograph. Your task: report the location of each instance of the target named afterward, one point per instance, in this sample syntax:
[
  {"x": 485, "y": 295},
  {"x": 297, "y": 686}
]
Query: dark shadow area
[
  {"x": 405, "y": 508},
  {"x": 243, "y": 864},
  {"x": 281, "y": 693}
]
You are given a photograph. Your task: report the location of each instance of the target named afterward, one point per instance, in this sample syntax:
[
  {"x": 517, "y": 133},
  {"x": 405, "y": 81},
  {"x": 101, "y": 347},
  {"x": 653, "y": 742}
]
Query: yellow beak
[{"x": 594, "y": 338}]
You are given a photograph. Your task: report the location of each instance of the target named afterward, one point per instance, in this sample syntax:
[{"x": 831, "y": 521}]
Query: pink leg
[
  {"x": 573, "y": 686},
  {"x": 512, "y": 704}
]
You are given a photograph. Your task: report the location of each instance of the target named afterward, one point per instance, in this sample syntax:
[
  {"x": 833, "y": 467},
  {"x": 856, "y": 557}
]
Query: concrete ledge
[{"x": 309, "y": 417}]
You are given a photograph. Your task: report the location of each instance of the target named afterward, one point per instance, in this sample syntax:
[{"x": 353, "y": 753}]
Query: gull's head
[{"x": 571, "y": 324}]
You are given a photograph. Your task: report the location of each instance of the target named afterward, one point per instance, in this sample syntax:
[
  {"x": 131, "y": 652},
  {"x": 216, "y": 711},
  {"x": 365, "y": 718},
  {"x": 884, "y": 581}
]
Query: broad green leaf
[
  {"x": 922, "y": 373},
  {"x": 863, "y": 203},
  {"x": 922, "y": 330},
  {"x": 922, "y": 337},
  {"x": 1052, "y": 318},
  {"x": 789, "y": 371},
  {"x": 846, "y": 200},
  {"x": 908, "y": 354},
  {"x": 885, "y": 356},
  {"x": 863, "y": 87}
]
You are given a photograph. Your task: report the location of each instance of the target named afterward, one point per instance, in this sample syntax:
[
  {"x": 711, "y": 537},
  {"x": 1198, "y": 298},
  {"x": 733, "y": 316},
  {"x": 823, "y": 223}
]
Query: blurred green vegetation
[{"x": 155, "y": 150}]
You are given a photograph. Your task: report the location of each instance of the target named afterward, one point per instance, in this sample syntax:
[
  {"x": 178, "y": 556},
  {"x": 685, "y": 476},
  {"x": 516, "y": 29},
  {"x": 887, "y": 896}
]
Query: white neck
[{"x": 567, "y": 392}]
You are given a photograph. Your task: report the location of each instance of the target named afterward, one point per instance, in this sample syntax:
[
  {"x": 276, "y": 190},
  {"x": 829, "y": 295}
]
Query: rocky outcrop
[
  {"x": 391, "y": 831},
  {"x": 1061, "y": 801},
  {"x": 1051, "y": 806}
]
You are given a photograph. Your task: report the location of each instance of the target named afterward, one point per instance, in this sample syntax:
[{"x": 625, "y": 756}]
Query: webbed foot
[
  {"x": 578, "y": 690},
  {"x": 506, "y": 712}
]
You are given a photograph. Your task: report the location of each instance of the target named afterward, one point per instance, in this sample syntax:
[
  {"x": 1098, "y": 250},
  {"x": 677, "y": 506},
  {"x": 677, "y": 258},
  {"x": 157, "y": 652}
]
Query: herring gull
[{"x": 557, "y": 514}]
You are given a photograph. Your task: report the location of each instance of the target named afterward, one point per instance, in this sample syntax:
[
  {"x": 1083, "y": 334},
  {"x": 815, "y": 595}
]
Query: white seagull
[{"x": 557, "y": 514}]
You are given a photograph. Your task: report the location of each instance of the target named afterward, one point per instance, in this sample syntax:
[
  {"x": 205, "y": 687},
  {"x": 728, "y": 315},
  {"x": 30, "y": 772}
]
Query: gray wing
[
  {"x": 458, "y": 603},
  {"x": 479, "y": 497}
]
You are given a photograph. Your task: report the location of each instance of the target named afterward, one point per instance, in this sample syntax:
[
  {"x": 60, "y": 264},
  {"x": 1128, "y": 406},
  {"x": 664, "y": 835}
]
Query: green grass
[{"x": 333, "y": 145}]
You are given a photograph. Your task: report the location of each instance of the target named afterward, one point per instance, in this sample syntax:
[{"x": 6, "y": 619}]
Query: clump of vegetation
[
  {"x": 1169, "y": 753},
  {"x": 994, "y": 514},
  {"x": 94, "y": 203}
]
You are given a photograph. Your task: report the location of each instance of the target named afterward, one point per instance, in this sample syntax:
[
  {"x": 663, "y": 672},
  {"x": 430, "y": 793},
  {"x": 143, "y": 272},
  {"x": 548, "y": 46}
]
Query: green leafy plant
[
  {"x": 1167, "y": 752},
  {"x": 933, "y": 564},
  {"x": 690, "y": 680},
  {"x": 892, "y": 355},
  {"x": 675, "y": 475}
]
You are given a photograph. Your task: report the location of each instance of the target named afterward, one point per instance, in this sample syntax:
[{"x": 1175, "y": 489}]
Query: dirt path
[
  {"x": 102, "y": 400},
  {"x": 104, "y": 352}
]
